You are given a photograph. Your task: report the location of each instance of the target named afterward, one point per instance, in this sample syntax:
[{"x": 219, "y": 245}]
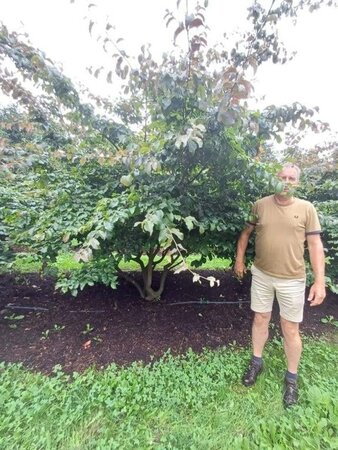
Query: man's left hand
[{"x": 317, "y": 294}]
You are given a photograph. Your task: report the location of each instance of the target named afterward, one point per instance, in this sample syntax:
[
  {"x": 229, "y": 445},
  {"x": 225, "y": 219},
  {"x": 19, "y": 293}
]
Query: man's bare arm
[
  {"x": 239, "y": 267},
  {"x": 317, "y": 258}
]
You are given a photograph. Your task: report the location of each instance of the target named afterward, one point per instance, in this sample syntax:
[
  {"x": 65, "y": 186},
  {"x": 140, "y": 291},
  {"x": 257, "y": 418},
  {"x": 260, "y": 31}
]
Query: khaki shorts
[{"x": 290, "y": 295}]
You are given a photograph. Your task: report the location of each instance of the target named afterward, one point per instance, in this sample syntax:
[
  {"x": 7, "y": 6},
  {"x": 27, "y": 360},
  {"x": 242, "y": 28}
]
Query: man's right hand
[{"x": 240, "y": 269}]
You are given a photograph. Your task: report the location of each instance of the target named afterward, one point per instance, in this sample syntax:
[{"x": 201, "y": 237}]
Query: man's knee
[
  {"x": 290, "y": 329},
  {"x": 262, "y": 319}
]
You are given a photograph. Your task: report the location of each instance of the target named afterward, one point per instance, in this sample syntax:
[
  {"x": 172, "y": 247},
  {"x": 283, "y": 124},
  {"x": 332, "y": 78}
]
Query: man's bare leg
[
  {"x": 260, "y": 332},
  {"x": 293, "y": 351},
  {"x": 292, "y": 344}
]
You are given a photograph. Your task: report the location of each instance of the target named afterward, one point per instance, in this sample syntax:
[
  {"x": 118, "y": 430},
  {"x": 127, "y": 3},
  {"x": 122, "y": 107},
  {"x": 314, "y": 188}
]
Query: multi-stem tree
[{"x": 171, "y": 174}]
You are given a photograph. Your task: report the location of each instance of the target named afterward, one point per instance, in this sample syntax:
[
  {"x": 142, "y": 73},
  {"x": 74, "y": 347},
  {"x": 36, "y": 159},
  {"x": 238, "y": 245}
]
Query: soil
[{"x": 103, "y": 326}]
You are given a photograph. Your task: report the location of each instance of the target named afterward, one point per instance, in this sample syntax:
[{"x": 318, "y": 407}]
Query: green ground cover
[
  {"x": 190, "y": 402},
  {"x": 29, "y": 263}
]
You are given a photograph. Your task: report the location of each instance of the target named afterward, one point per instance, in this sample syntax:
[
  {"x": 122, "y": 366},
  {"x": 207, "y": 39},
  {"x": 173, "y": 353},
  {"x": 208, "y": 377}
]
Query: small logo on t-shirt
[{"x": 296, "y": 217}]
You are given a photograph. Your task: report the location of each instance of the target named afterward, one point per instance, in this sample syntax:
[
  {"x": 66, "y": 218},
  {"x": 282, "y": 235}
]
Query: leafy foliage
[
  {"x": 171, "y": 173},
  {"x": 195, "y": 400},
  {"x": 319, "y": 184},
  {"x": 325, "y": 197}
]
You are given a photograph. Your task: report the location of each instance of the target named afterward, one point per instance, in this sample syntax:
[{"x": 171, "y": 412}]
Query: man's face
[{"x": 290, "y": 179}]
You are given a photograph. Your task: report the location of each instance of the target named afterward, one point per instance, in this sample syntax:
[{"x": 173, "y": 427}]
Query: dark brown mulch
[{"x": 126, "y": 329}]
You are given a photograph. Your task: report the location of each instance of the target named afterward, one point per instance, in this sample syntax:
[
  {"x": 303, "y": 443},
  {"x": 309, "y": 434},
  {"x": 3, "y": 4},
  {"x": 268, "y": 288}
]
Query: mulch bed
[{"x": 103, "y": 326}]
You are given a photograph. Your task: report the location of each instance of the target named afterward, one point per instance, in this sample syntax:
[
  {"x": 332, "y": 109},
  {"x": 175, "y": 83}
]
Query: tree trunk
[
  {"x": 146, "y": 289},
  {"x": 151, "y": 294}
]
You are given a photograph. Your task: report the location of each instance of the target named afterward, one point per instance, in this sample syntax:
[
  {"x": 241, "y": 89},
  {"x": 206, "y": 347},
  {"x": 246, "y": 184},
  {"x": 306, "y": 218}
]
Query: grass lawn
[
  {"x": 28, "y": 263},
  {"x": 191, "y": 402}
]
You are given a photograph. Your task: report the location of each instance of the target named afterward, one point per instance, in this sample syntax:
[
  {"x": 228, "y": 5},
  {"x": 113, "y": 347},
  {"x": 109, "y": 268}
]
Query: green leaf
[
  {"x": 192, "y": 146},
  {"x": 163, "y": 235},
  {"x": 158, "y": 217},
  {"x": 148, "y": 226},
  {"x": 279, "y": 187},
  {"x": 94, "y": 243},
  {"x": 102, "y": 234},
  {"x": 190, "y": 221},
  {"x": 126, "y": 180},
  {"x": 177, "y": 233},
  {"x": 108, "y": 226}
]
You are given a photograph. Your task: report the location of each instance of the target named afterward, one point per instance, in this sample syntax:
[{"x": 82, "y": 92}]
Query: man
[{"x": 282, "y": 224}]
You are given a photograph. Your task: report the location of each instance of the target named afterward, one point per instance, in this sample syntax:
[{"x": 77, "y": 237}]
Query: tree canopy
[{"x": 169, "y": 170}]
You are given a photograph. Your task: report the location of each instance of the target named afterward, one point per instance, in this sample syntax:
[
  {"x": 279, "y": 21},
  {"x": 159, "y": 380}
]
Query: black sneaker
[
  {"x": 291, "y": 393},
  {"x": 252, "y": 373}
]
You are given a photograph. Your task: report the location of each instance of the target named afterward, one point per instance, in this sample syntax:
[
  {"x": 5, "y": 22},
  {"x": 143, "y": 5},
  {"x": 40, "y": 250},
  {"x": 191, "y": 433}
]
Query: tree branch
[
  {"x": 139, "y": 261},
  {"x": 164, "y": 254},
  {"x": 172, "y": 264},
  {"x": 132, "y": 281},
  {"x": 163, "y": 280}
]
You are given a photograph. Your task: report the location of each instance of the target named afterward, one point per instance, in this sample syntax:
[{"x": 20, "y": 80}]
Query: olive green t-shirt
[{"x": 280, "y": 235}]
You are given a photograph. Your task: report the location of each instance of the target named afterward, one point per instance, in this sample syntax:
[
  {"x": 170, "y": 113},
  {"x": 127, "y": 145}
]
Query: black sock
[
  {"x": 257, "y": 360},
  {"x": 289, "y": 376}
]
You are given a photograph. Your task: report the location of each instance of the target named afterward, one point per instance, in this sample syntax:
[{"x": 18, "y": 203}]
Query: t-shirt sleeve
[
  {"x": 312, "y": 222},
  {"x": 253, "y": 217}
]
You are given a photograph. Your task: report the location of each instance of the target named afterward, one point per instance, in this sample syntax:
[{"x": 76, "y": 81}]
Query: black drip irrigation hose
[
  {"x": 194, "y": 302},
  {"x": 208, "y": 302},
  {"x": 33, "y": 308}
]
